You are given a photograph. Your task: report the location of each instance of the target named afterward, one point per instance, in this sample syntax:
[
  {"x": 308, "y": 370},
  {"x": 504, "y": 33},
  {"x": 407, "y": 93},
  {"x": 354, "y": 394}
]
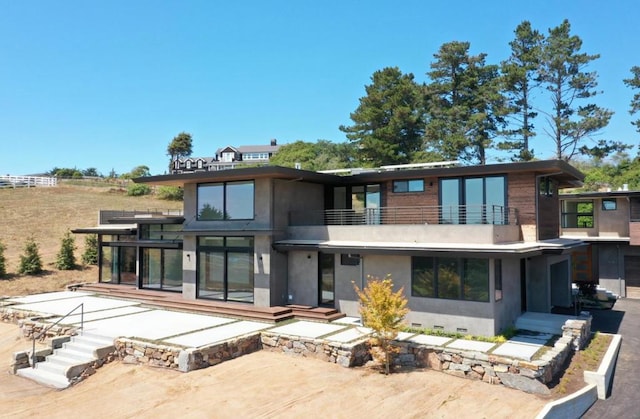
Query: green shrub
[
  {"x": 30, "y": 263},
  {"x": 66, "y": 260},
  {"x": 3, "y": 262},
  {"x": 138, "y": 189},
  {"x": 90, "y": 255},
  {"x": 170, "y": 193}
]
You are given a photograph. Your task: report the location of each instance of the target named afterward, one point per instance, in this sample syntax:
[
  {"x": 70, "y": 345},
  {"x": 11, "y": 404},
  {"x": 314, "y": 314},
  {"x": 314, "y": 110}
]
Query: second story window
[
  {"x": 577, "y": 214},
  {"x": 412, "y": 185},
  {"x": 226, "y": 201},
  {"x": 609, "y": 204}
]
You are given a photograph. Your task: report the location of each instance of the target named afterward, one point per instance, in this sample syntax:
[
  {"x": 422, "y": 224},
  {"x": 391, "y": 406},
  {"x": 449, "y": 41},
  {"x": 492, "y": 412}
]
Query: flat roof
[
  {"x": 567, "y": 175},
  {"x": 519, "y": 248}
]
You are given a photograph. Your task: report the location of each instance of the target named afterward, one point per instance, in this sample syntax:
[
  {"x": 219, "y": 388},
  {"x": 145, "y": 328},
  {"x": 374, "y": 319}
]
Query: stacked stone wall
[{"x": 343, "y": 354}]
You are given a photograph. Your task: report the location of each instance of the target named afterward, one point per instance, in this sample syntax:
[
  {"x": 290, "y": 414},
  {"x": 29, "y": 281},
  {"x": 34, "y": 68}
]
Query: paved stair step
[{"x": 43, "y": 377}]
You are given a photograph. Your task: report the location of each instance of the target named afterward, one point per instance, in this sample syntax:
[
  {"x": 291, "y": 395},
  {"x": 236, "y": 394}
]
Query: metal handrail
[{"x": 34, "y": 359}]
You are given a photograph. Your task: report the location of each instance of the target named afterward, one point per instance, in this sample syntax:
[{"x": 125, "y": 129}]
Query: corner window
[
  {"x": 577, "y": 214},
  {"x": 547, "y": 186},
  {"x": 497, "y": 274},
  {"x": 609, "y": 204},
  {"x": 412, "y": 185},
  {"x": 450, "y": 278},
  {"x": 226, "y": 201}
]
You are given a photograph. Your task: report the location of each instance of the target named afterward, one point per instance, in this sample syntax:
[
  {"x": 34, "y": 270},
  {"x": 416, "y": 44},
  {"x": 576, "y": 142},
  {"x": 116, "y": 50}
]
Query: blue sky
[{"x": 108, "y": 84}]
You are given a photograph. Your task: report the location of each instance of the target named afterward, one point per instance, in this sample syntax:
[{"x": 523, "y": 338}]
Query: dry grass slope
[{"x": 46, "y": 214}]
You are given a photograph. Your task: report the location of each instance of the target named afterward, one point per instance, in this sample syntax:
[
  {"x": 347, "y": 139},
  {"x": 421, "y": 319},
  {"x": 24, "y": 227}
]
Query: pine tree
[
  {"x": 519, "y": 78},
  {"x": 90, "y": 254},
  {"x": 3, "y": 262},
  {"x": 66, "y": 260},
  {"x": 465, "y": 106},
  {"x": 389, "y": 122},
  {"x": 563, "y": 75},
  {"x": 30, "y": 263},
  {"x": 634, "y": 83},
  {"x": 383, "y": 311}
]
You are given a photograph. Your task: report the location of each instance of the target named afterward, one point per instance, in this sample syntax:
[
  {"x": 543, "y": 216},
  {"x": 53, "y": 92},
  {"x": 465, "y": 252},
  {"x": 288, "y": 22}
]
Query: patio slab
[
  {"x": 523, "y": 351},
  {"x": 349, "y": 335},
  {"x": 471, "y": 345},
  {"x": 74, "y": 319},
  {"x": 218, "y": 334},
  {"x": 430, "y": 340},
  {"x": 47, "y": 296},
  {"x": 154, "y": 324},
  {"x": 62, "y": 306},
  {"x": 308, "y": 329}
]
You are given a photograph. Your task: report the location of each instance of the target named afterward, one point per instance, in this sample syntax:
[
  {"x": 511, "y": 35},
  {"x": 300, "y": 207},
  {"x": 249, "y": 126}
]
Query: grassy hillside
[{"x": 46, "y": 214}]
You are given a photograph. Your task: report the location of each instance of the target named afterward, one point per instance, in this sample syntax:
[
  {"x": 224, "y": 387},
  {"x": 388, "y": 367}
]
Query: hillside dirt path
[{"x": 259, "y": 385}]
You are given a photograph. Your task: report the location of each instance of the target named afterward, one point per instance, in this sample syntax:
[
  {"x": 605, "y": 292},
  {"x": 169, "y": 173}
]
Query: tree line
[{"x": 470, "y": 106}]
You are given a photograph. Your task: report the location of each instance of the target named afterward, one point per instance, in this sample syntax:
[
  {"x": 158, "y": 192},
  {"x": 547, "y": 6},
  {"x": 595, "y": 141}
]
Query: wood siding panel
[
  {"x": 634, "y": 234},
  {"x": 549, "y": 217},
  {"x": 428, "y": 198},
  {"x": 521, "y": 195}
]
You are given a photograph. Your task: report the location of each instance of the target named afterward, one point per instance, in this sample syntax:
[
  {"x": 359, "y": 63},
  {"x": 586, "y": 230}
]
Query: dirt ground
[{"x": 259, "y": 385}]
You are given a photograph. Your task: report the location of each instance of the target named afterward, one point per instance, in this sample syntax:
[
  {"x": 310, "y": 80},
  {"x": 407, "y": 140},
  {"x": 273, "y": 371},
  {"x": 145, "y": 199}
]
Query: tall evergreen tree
[
  {"x": 389, "y": 122},
  {"x": 519, "y": 78},
  {"x": 634, "y": 83},
  {"x": 180, "y": 146},
  {"x": 563, "y": 75},
  {"x": 465, "y": 107},
  {"x": 90, "y": 254}
]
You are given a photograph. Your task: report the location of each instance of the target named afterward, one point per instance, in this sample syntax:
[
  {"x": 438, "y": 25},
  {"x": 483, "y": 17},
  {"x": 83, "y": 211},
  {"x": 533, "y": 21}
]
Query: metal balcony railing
[
  {"x": 106, "y": 216},
  {"x": 458, "y": 214}
]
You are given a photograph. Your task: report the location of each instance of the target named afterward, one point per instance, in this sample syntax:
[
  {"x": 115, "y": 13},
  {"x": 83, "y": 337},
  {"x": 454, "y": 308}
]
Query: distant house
[
  {"x": 228, "y": 157},
  {"x": 609, "y": 222},
  {"x": 473, "y": 246}
]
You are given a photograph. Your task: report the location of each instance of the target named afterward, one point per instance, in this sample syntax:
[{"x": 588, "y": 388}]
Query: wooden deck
[{"x": 174, "y": 301}]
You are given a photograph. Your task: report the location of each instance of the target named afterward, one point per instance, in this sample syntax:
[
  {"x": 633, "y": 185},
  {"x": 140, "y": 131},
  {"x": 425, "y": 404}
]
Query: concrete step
[
  {"x": 542, "y": 322},
  {"x": 68, "y": 362},
  {"x": 44, "y": 377}
]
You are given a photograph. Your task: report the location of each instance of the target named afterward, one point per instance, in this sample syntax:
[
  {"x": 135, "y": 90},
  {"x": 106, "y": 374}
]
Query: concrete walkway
[
  {"x": 623, "y": 319},
  {"x": 116, "y": 317}
]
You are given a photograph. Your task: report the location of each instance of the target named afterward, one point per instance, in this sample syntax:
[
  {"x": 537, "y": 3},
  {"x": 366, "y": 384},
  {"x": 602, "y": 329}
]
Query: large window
[
  {"x": 162, "y": 269},
  {"x": 474, "y": 200},
  {"x": 226, "y": 201},
  {"x": 450, "y": 278},
  {"x": 225, "y": 268},
  {"x": 577, "y": 214}
]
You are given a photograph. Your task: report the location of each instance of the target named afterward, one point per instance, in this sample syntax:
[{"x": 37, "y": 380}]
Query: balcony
[
  {"x": 459, "y": 224},
  {"x": 462, "y": 214}
]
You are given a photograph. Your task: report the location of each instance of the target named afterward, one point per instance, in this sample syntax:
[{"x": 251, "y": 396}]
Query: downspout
[{"x": 618, "y": 269}]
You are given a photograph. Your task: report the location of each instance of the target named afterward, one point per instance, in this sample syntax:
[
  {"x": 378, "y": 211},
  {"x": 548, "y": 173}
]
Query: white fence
[{"x": 27, "y": 181}]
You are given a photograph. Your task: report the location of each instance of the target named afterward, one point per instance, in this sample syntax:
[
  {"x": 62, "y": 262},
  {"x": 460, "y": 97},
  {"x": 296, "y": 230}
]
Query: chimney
[{"x": 274, "y": 142}]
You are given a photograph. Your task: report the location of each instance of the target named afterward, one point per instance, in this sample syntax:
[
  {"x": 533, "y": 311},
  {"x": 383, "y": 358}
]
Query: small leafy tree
[
  {"x": 66, "y": 260},
  {"x": 170, "y": 193},
  {"x": 383, "y": 311},
  {"x": 30, "y": 262},
  {"x": 3, "y": 262},
  {"x": 90, "y": 254}
]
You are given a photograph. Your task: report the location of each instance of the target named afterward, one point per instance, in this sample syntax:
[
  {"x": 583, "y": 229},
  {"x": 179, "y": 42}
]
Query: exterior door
[
  {"x": 632, "y": 275},
  {"x": 326, "y": 279}
]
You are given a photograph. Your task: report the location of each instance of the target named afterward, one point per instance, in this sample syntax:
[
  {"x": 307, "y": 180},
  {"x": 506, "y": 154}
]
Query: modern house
[
  {"x": 609, "y": 222},
  {"x": 228, "y": 157},
  {"x": 473, "y": 246}
]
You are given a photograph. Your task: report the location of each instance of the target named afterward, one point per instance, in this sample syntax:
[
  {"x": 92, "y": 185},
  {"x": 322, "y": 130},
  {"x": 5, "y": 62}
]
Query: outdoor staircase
[
  {"x": 67, "y": 363},
  {"x": 542, "y": 322}
]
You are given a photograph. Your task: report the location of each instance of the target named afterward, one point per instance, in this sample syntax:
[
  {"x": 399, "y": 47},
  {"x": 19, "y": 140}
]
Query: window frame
[
  {"x": 226, "y": 216},
  {"x": 613, "y": 201},
  {"x": 580, "y": 216},
  {"x": 461, "y": 277},
  {"x": 396, "y": 186}
]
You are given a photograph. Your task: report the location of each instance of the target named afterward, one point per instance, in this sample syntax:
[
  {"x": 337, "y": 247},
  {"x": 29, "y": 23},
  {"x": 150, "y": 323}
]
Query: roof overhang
[
  {"x": 108, "y": 229},
  {"x": 556, "y": 246},
  {"x": 151, "y": 219}
]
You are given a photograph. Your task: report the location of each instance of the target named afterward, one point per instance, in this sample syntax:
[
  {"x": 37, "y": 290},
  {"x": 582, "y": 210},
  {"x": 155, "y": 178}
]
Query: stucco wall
[
  {"x": 538, "y": 285},
  {"x": 444, "y": 233},
  {"x": 614, "y": 223},
  {"x": 303, "y": 278},
  {"x": 509, "y": 308}
]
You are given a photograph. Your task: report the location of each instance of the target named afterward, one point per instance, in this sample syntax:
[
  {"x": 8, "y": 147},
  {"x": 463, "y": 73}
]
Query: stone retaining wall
[
  {"x": 156, "y": 355},
  {"x": 344, "y": 354}
]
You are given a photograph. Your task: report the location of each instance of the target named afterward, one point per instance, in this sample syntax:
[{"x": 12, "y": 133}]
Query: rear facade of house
[{"x": 473, "y": 247}]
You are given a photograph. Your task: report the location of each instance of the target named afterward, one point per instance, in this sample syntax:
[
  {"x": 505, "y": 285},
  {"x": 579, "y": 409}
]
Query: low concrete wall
[
  {"x": 572, "y": 406},
  {"x": 602, "y": 377}
]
